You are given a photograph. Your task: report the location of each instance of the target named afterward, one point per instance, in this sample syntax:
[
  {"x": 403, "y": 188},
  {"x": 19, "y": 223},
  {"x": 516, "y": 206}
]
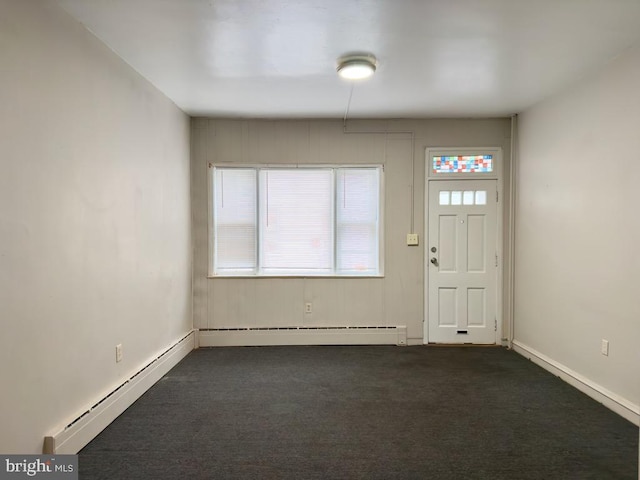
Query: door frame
[{"x": 497, "y": 175}]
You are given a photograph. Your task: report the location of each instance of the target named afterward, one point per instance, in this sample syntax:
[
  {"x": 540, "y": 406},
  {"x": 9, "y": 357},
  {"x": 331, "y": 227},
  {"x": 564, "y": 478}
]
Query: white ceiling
[{"x": 437, "y": 58}]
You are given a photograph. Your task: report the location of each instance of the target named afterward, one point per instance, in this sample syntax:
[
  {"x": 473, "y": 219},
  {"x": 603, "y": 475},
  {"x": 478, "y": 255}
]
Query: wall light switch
[
  {"x": 412, "y": 239},
  {"x": 604, "y": 347},
  {"x": 118, "y": 352}
]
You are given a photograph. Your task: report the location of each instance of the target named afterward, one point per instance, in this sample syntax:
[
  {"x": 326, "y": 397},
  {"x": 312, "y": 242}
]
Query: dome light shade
[{"x": 356, "y": 67}]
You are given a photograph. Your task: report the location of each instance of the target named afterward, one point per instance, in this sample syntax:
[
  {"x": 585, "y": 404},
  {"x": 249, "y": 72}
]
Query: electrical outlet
[
  {"x": 412, "y": 239},
  {"x": 604, "y": 347},
  {"x": 308, "y": 307},
  {"x": 118, "y": 352}
]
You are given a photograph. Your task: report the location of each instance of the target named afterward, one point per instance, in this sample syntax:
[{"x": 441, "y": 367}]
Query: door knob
[{"x": 434, "y": 260}]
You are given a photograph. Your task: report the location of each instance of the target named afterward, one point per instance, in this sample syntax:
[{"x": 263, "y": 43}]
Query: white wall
[
  {"x": 94, "y": 221},
  {"x": 578, "y": 228},
  {"x": 396, "y": 299}
]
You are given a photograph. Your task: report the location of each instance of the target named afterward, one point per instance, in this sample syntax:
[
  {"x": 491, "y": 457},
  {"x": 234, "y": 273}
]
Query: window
[
  {"x": 468, "y": 197},
  {"x": 296, "y": 221},
  {"x": 462, "y": 163}
]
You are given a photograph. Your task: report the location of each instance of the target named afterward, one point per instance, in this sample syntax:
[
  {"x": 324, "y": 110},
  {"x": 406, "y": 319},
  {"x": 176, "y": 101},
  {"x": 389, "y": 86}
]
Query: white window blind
[
  {"x": 296, "y": 221},
  {"x": 235, "y": 209},
  {"x": 357, "y": 220}
]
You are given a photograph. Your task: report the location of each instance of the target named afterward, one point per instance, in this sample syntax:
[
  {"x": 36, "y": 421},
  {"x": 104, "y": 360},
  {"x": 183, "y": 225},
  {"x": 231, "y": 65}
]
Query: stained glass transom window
[{"x": 463, "y": 164}]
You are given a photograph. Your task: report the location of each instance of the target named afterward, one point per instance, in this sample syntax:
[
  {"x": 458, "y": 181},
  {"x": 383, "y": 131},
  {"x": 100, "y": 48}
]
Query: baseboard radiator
[
  {"x": 265, "y": 336},
  {"x": 84, "y": 428}
]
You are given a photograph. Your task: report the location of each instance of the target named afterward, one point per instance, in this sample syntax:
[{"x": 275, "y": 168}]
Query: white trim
[
  {"x": 89, "y": 424},
  {"x": 294, "y": 276},
  {"x": 618, "y": 404},
  {"x": 210, "y": 243},
  {"x": 497, "y": 174},
  {"x": 510, "y": 288},
  {"x": 242, "y": 337}
]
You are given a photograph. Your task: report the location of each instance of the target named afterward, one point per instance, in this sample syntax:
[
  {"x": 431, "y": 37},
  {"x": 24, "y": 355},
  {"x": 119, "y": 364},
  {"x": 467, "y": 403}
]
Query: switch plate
[
  {"x": 604, "y": 347},
  {"x": 412, "y": 239},
  {"x": 118, "y": 352},
  {"x": 308, "y": 307}
]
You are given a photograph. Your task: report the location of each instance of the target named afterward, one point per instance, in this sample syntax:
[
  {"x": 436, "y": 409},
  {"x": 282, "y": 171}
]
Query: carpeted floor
[{"x": 362, "y": 413}]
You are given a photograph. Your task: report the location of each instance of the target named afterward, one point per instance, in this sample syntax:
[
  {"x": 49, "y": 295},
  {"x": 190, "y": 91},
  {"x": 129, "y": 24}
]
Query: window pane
[
  {"x": 234, "y": 215},
  {"x": 444, "y": 197},
  {"x": 357, "y": 208},
  {"x": 481, "y": 197},
  {"x": 463, "y": 164},
  {"x": 296, "y": 221},
  {"x": 467, "y": 198},
  {"x": 456, "y": 198}
]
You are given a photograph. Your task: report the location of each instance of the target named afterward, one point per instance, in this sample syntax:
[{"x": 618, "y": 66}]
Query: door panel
[
  {"x": 447, "y": 306},
  {"x": 448, "y": 239},
  {"x": 476, "y": 248},
  {"x": 476, "y": 307},
  {"x": 461, "y": 249}
]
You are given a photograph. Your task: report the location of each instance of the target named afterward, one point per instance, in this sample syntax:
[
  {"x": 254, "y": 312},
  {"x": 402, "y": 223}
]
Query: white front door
[{"x": 462, "y": 261}]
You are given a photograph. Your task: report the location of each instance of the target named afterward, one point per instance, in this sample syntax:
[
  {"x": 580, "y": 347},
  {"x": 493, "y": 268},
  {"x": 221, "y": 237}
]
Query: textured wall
[
  {"x": 578, "y": 227},
  {"x": 95, "y": 243},
  {"x": 396, "y": 299}
]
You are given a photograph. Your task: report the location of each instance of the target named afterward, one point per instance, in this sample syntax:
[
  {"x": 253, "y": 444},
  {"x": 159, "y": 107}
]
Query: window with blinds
[{"x": 302, "y": 221}]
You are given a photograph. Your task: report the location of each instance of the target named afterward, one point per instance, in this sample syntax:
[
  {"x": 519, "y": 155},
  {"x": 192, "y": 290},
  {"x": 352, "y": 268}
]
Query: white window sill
[{"x": 257, "y": 277}]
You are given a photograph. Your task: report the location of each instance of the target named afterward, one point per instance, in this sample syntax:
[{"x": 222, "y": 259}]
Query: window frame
[{"x": 258, "y": 167}]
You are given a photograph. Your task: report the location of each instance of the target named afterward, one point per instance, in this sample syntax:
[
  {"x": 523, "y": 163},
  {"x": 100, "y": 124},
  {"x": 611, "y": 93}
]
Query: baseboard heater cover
[
  {"x": 266, "y": 336},
  {"x": 84, "y": 428}
]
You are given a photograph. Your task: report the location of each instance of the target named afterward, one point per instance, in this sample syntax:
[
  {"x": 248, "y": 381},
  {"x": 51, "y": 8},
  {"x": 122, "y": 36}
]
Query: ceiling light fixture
[{"x": 356, "y": 66}]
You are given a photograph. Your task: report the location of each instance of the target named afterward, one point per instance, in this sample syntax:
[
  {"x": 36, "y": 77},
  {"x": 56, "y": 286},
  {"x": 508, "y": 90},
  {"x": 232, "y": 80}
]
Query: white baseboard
[
  {"x": 618, "y": 404},
  {"x": 81, "y": 431},
  {"x": 238, "y": 337}
]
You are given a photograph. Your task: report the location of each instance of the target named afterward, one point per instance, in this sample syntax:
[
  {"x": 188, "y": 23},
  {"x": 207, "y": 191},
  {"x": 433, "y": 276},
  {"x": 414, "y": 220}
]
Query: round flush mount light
[{"x": 356, "y": 66}]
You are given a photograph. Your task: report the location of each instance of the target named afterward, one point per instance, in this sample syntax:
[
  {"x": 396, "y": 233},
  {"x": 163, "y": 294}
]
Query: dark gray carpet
[{"x": 362, "y": 413}]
